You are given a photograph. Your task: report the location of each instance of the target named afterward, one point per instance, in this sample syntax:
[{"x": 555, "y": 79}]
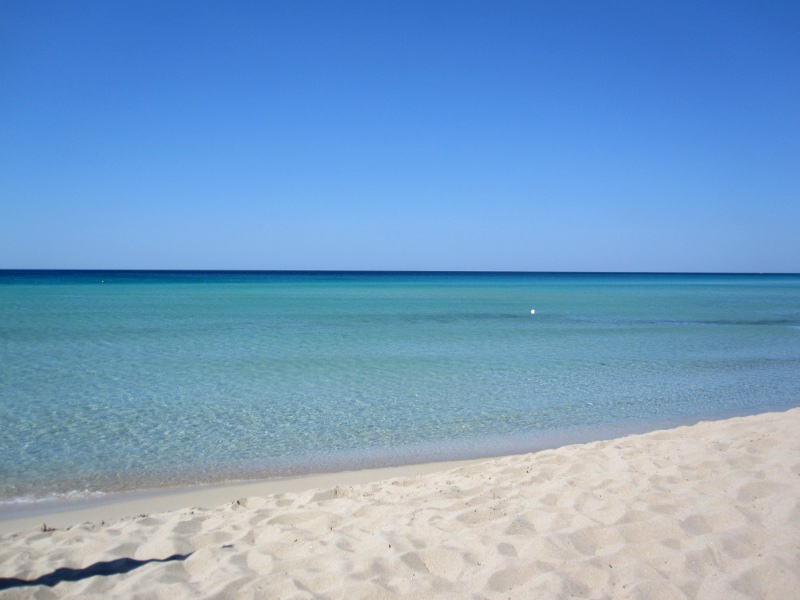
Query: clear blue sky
[{"x": 558, "y": 135}]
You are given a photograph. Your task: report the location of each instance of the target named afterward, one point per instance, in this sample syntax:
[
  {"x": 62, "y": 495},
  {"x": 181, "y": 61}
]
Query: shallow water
[{"x": 114, "y": 381}]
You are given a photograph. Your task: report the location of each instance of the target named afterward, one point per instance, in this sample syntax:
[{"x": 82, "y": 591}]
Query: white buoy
[{"x": 533, "y": 312}]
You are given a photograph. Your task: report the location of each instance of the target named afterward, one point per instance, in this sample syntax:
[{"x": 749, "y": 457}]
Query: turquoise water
[{"x": 114, "y": 381}]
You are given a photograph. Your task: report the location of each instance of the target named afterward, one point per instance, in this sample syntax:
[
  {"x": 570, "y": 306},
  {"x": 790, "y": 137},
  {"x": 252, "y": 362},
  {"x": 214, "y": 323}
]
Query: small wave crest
[{"x": 51, "y": 497}]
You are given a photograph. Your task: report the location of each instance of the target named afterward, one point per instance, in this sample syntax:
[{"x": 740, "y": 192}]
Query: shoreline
[
  {"x": 710, "y": 510},
  {"x": 64, "y": 513},
  {"x": 58, "y": 512}
]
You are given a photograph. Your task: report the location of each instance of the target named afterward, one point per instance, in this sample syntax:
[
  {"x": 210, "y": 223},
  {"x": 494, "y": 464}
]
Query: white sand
[{"x": 709, "y": 511}]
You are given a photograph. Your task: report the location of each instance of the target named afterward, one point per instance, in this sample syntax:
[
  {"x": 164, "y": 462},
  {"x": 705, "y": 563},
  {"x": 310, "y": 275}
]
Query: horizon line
[{"x": 387, "y": 271}]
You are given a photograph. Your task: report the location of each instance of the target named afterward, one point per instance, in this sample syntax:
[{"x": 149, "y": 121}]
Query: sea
[{"x": 114, "y": 381}]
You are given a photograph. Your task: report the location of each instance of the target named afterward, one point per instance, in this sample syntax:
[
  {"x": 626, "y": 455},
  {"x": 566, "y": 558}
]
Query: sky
[{"x": 638, "y": 135}]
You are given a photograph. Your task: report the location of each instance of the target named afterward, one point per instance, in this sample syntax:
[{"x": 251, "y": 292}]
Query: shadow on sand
[{"x": 111, "y": 567}]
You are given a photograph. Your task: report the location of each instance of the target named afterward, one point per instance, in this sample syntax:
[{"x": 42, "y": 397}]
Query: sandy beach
[{"x": 707, "y": 511}]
